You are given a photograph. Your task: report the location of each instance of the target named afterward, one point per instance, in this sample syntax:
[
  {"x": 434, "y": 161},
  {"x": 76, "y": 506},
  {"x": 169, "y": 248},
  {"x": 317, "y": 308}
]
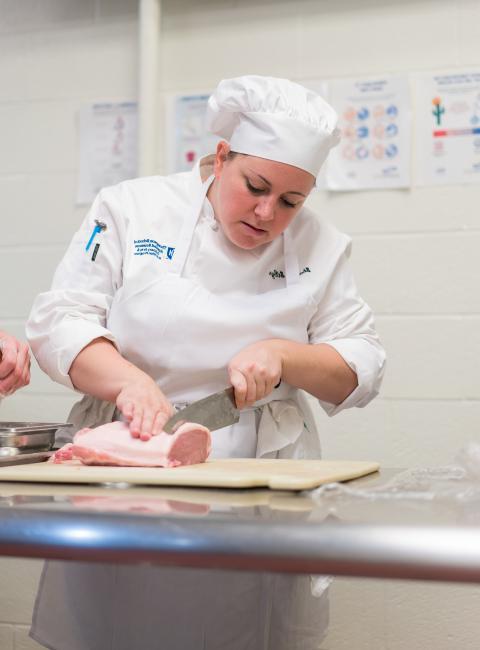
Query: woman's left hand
[{"x": 255, "y": 371}]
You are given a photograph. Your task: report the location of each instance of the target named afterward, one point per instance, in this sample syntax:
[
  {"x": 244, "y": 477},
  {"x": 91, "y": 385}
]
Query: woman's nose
[{"x": 265, "y": 209}]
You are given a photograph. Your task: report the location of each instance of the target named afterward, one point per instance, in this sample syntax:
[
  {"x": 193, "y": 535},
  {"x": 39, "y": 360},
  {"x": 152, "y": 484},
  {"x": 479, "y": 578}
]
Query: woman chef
[{"x": 175, "y": 287}]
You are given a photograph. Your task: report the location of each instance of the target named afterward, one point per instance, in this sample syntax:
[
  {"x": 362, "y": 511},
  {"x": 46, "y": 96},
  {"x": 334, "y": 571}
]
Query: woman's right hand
[
  {"x": 144, "y": 407},
  {"x": 101, "y": 371}
]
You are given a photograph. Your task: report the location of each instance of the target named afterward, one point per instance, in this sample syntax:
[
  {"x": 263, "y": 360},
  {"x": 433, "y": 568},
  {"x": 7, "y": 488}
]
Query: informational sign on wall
[
  {"x": 448, "y": 127},
  {"x": 188, "y": 139},
  {"x": 108, "y": 147},
  {"x": 375, "y": 123}
]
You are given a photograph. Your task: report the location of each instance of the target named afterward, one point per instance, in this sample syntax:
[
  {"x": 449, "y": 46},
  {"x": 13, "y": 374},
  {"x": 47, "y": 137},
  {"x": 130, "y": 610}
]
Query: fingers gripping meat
[{"x": 112, "y": 444}]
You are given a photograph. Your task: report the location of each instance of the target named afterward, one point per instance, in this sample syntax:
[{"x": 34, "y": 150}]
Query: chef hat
[{"x": 275, "y": 119}]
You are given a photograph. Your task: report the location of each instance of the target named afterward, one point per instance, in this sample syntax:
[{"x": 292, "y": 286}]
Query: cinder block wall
[
  {"x": 17, "y": 595},
  {"x": 414, "y": 251},
  {"x": 55, "y": 55}
]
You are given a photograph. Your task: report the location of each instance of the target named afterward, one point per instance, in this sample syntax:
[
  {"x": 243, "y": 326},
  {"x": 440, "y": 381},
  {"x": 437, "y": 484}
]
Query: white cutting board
[{"x": 225, "y": 473}]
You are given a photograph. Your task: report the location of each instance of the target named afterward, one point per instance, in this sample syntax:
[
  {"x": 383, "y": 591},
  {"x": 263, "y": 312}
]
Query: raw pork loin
[{"x": 113, "y": 444}]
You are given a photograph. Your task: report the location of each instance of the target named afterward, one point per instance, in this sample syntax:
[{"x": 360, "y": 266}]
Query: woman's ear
[{"x": 221, "y": 155}]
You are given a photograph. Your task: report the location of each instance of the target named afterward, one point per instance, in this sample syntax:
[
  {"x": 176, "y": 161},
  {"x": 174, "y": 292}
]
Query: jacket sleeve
[
  {"x": 344, "y": 321},
  {"x": 74, "y": 311}
]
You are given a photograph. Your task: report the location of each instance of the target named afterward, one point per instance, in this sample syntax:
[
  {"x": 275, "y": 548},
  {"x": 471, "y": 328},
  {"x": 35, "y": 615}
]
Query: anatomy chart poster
[
  {"x": 448, "y": 128},
  {"x": 187, "y": 136},
  {"x": 375, "y": 124},
  {"x": 108, "y": 147}
]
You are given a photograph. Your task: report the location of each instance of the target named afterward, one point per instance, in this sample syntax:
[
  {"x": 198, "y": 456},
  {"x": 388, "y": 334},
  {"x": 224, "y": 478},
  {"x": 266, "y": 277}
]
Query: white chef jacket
[{"x": 144, "y": 221}]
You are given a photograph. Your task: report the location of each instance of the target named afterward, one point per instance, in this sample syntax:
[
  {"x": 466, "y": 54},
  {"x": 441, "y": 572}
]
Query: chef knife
[{"x": 214, "y": 412}]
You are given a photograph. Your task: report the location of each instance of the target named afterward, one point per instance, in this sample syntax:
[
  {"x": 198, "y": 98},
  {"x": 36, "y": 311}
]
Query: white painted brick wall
[
  {"x": 400, "y": 615},
  {"x": 55, "y": 56},
  {"x": 414, "y": 250},
  {"x": 19, "y": 580}
]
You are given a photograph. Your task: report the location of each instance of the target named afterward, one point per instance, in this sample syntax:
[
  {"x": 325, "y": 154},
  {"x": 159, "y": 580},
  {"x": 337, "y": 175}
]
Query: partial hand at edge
[{"x": 14, "y": 364}]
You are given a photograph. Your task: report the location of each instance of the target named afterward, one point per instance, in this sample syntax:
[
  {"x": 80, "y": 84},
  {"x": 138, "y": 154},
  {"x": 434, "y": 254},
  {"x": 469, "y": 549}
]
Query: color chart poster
[
  {"x": 375, "y": 124},
  {"x": 448, "y": 128}
]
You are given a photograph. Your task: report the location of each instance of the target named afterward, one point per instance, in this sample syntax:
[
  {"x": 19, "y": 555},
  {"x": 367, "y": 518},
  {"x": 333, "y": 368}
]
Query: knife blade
[{"x": 214, "y": 412}]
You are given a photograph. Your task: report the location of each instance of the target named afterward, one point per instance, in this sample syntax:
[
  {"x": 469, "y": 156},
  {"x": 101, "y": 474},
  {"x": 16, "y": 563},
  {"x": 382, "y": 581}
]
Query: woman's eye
[
  {"x": 253, "y": 189},
  {"x": 260, "y": 190}
]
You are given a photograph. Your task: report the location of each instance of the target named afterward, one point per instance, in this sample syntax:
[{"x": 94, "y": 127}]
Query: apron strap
[
  {"x": 281, "y": 425},
  {"x": 188, "y": 228},
  {"x": 292, "y": 270}
]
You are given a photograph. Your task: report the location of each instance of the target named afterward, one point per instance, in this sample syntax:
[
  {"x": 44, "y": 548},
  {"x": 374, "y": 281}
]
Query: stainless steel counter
[{"x": 245, "y": 530}]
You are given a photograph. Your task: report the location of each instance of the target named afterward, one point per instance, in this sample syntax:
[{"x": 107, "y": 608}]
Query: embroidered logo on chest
[
  {"x": 152, "y": 247},
  {"x": 280, "y": 274},
  {"x": 276, "y": 274}
]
